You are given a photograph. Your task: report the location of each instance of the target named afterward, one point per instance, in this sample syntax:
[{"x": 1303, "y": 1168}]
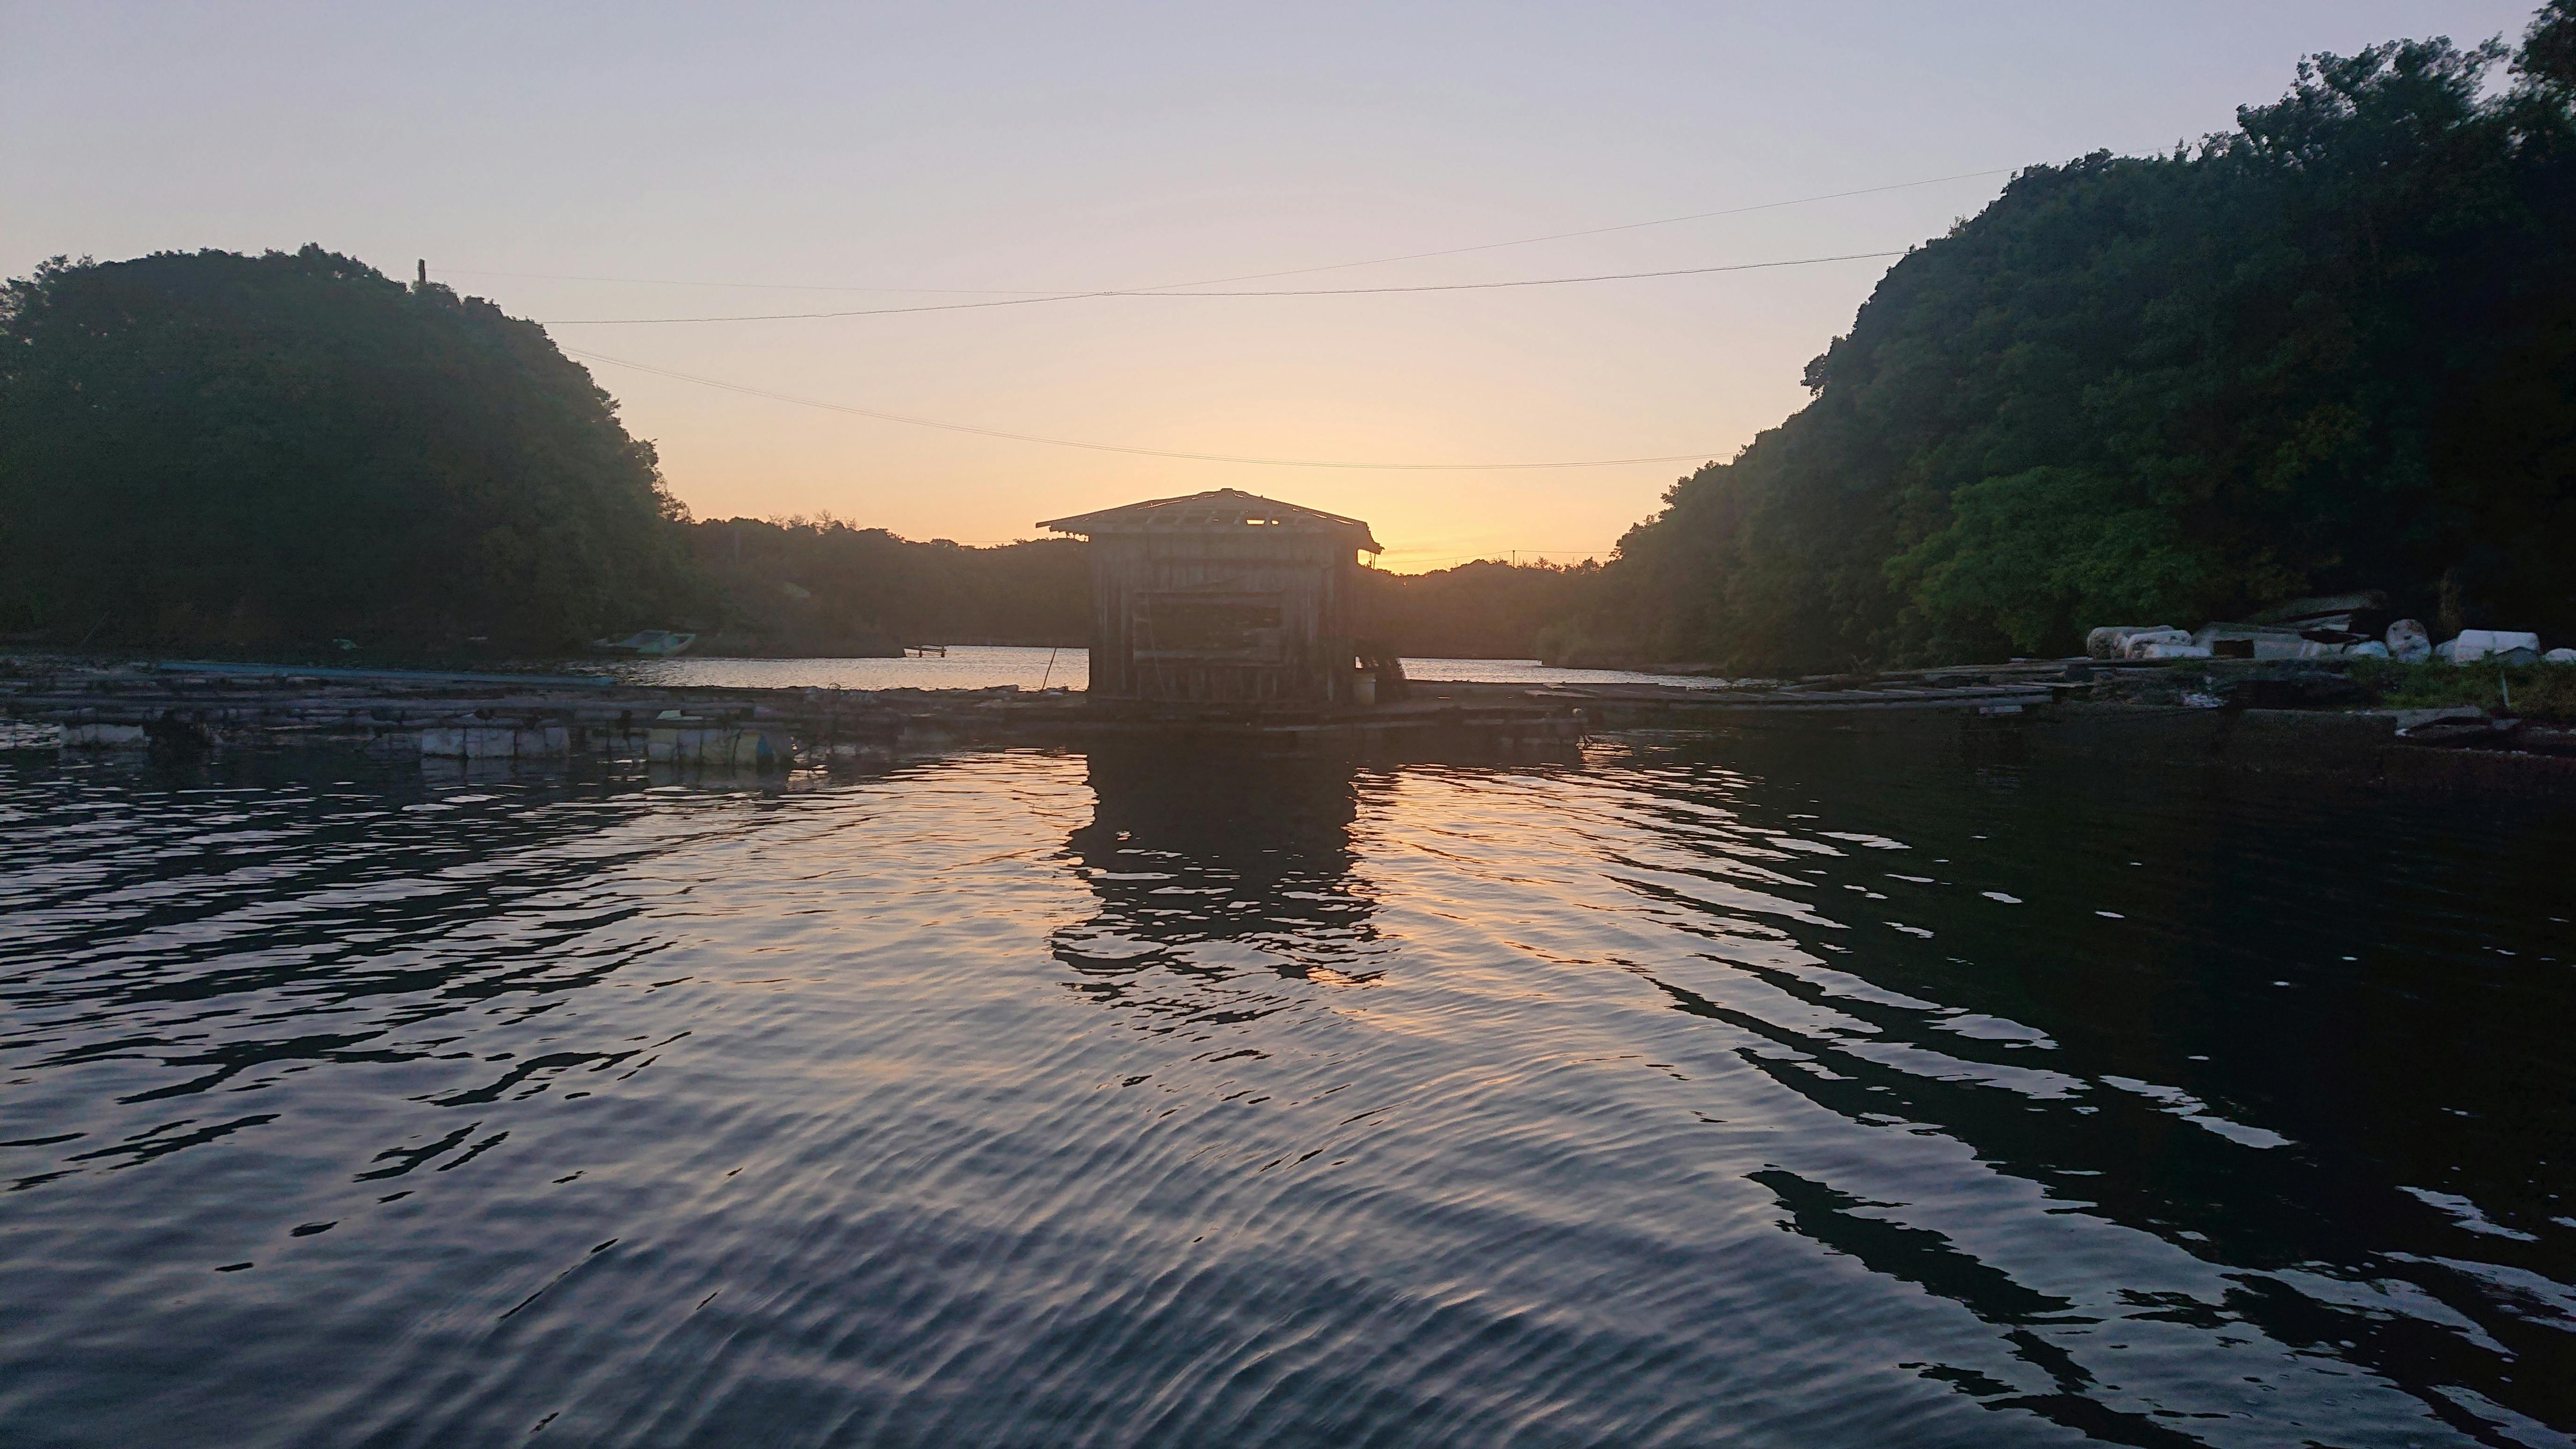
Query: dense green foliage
[
  {"x": 823, "y": 587},
  {"x": 216, "y": 449},
  {"x": 2333, "y": 348}
]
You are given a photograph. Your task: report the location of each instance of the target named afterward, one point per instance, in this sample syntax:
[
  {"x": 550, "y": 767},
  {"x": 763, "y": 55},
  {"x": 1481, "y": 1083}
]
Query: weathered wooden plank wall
[{"x": 1221, "y": 641}]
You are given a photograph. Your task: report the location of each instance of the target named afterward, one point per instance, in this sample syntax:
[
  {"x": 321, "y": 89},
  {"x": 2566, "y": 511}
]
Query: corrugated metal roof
[{"x": 1223, "y": 510}]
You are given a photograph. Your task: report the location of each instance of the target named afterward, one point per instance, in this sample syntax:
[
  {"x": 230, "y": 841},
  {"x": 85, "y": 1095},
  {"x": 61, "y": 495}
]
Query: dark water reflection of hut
[{"x": 1224, "y": 870}]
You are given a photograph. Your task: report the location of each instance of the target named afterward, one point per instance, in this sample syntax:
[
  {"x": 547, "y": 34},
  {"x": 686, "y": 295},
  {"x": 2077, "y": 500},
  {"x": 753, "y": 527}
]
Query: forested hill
[
  {"x": 2334, "y": 348},
  {"x": 208, "y": 449}
]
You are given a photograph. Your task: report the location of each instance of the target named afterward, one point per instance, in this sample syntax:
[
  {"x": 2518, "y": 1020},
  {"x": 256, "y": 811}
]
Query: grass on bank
[{"x": 2536, "y": 691}]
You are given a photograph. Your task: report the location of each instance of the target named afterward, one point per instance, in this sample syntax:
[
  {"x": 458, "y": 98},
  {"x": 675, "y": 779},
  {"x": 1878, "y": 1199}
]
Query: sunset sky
[{"x": 666, "y": 161}]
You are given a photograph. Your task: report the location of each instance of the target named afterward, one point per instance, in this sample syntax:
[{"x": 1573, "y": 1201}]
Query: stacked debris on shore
[{"x": 2340, "y": 626}]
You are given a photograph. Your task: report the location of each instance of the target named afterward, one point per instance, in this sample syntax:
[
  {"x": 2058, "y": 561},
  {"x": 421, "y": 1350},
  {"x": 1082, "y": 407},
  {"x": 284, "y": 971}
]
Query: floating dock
[
  {"x": 188, "y": 709},
  {"x": 192, "y": 707}
]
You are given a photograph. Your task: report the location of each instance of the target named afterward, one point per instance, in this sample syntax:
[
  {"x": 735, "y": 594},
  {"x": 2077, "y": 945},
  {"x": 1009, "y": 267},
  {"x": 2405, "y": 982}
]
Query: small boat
[{"x": 656, "y": 642}]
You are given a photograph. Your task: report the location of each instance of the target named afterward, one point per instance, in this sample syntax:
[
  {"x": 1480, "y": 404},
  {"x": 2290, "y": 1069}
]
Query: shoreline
[{"x": 195, "y": 708}]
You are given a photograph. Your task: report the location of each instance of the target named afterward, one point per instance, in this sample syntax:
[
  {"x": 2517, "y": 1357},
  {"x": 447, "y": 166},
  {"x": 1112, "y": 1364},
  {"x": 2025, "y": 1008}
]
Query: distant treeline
[
  {"x": 825, "y": 587},
  {"x": 1483, "y": 610},
  {"x": 808, "y": 586},
  {"x": 2331, "y": 349}
]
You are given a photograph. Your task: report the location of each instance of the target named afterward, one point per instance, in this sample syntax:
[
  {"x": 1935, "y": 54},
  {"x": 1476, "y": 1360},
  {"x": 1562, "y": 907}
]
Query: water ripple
[{"x": 1851, "y": 1090}]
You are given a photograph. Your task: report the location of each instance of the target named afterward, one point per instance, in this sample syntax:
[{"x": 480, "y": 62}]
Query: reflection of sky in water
[
  {"x": 976, "y": 666},
  {"x": 1806, "y": 1092}
]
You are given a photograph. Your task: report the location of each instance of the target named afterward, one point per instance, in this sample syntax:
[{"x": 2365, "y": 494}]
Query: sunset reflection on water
[{"x": 1816, "y": 1091}]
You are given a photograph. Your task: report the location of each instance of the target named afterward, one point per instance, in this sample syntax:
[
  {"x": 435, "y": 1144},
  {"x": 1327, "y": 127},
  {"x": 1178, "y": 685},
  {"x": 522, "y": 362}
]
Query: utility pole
[{"x": 422, "y": 285}]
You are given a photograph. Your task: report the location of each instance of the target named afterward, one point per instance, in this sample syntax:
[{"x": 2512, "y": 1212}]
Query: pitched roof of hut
[{"x": 1222, "y": 510}]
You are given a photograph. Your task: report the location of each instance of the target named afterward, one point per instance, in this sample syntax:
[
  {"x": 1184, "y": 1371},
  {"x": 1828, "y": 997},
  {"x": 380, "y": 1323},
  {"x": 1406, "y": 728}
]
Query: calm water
[
  {"x": 1748, "y": 1091},
  {"x": 970, "y": 666}
]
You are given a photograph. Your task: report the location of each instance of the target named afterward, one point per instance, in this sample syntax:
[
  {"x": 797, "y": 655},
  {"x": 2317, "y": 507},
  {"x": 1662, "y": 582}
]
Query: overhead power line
[
  {"x": 1248, "y": 276},
  {"x": 753, "y": 286},
  {"x": 1117, "y": 448},
  {"x": 1600, "y": 230},
  {"x": 1277, "y": 292}
]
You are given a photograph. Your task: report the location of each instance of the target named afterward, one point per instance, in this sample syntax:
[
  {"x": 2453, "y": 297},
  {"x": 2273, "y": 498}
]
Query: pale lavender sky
[{"x": 1108, "y": 146}]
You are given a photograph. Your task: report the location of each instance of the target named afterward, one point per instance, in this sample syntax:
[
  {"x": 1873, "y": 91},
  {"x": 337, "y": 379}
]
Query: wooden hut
[{"x": 1228, "y": 598}]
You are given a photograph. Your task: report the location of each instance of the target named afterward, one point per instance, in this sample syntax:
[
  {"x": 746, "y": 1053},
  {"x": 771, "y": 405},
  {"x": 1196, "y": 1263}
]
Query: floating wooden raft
[
  {"x": 1631, "y": 703},
  {"x": 486, "y": 717}
]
